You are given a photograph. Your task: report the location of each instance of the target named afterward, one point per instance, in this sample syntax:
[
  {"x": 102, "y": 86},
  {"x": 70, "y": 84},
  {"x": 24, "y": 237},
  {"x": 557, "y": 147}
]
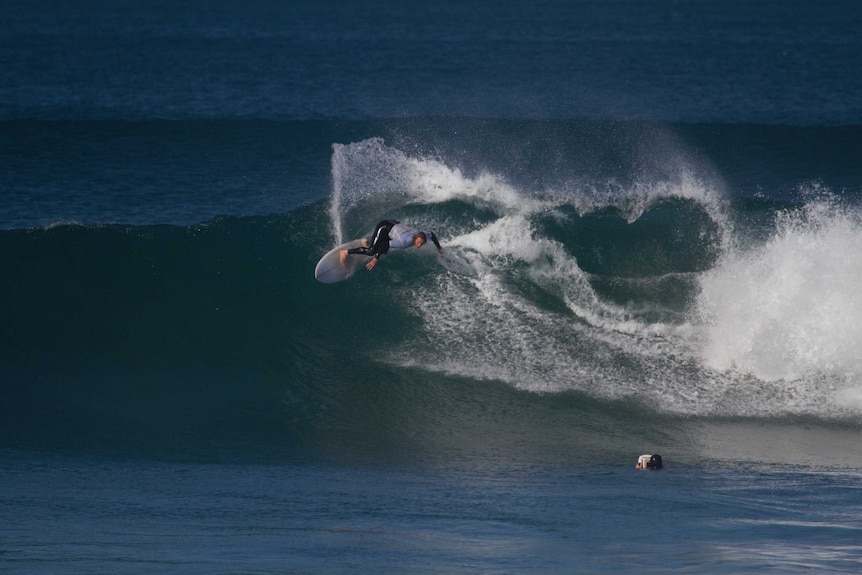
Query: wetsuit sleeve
[{"x": 436, "y": 242}]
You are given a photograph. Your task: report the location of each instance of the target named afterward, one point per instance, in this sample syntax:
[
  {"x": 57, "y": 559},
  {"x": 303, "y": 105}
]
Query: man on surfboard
[{"x": 389, "y": 234}]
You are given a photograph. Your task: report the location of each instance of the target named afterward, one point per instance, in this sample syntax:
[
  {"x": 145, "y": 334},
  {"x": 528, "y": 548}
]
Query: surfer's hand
[{"x": 371, "y": 263}]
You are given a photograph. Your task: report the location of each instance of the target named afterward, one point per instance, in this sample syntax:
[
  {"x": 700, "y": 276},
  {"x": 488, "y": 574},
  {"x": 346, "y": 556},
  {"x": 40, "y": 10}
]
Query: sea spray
[
  {"x": 651, "y": 292},
  {"x": 791, "y": 309}
]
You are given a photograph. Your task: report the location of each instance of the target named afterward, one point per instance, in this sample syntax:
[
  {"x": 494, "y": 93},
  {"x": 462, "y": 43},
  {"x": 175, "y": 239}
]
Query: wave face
[{"x": 628, "y": 302}]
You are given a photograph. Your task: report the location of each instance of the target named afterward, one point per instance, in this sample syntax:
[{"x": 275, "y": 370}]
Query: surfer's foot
[{"x": 342, "y": 257}]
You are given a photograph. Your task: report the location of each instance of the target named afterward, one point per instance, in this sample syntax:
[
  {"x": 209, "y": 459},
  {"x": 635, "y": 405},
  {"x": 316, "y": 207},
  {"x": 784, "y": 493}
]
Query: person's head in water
[
  {"x": 649, "y": 462},
  {"x": 420, "y": 239}
]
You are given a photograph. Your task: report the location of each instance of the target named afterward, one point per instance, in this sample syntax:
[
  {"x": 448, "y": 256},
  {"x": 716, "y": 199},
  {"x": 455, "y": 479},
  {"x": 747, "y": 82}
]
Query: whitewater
[{"x": 738, "y": 339}]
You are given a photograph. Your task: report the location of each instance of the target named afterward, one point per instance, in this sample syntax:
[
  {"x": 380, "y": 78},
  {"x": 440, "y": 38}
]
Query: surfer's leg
[
  {"x": 377, "y": 244},
  {"x": 380, "y": 237},
  {"x": 342, "y": 255}
]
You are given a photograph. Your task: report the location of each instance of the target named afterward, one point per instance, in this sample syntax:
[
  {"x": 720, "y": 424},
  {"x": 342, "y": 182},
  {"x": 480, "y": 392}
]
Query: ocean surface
[{"x": 651, "y": 219}]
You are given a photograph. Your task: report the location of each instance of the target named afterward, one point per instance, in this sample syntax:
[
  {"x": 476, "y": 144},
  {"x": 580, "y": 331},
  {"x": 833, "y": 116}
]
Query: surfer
[
  {"x": 649, "y": 461},
  {"x": 389, "y": 234}
]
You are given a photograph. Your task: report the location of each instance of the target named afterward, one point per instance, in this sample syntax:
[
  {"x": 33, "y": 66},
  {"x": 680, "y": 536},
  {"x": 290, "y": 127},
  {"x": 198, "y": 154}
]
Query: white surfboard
[{"x": 329, "y": 269}]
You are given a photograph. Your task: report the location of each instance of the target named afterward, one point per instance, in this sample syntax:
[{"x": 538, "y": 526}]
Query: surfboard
[{"x": 329, "y": 269}]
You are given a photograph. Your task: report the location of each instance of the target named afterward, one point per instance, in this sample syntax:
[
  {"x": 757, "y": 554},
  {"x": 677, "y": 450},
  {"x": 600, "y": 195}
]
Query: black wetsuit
[{"x": 379, "y": 241}]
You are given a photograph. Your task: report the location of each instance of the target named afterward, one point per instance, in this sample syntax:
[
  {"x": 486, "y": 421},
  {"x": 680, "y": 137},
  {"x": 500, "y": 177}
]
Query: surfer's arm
[{"x": 436, "y": 242}]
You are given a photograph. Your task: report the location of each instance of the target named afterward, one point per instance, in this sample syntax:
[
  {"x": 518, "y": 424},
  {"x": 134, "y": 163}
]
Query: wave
[
  {"x": 652, "y": 292},
  {"x": 657, "y": 295}
]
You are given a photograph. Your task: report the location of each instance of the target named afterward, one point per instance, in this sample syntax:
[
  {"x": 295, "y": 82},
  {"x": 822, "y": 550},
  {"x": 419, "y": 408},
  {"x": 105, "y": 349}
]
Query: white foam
[
  {"x": 791, "y": 308},
  {"x": 776, "y": 328}
]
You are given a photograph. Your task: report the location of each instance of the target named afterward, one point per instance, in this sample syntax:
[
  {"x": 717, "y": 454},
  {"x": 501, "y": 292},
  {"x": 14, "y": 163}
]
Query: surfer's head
[
  {"x": 419, "y": 239},
  {"x": 649, "y": 462}
]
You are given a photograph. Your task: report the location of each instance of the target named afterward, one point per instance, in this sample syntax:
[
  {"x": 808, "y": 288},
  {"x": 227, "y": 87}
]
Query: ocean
[{"x": 650, "y": 214}]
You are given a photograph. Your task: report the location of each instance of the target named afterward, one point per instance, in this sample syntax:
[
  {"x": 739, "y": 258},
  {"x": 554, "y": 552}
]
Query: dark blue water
[
  {"x": 192, "y": 518},
  {"x": 650, "y": 214},
  {"x": 776, "y": 62}
]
